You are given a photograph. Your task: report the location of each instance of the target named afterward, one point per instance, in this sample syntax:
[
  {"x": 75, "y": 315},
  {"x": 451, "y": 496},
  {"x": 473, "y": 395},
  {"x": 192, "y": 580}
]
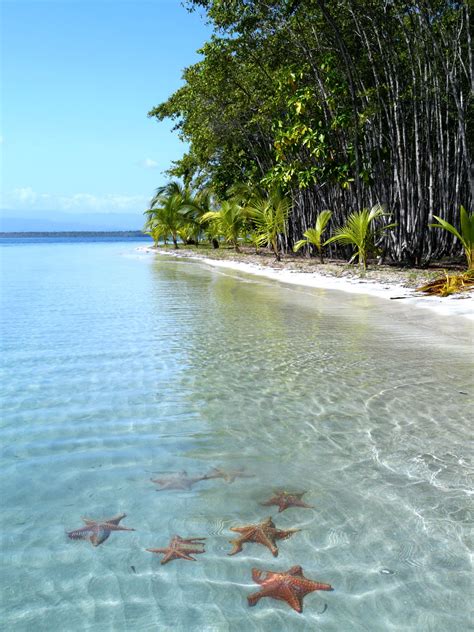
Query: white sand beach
[{"x": 456, "y": 305}]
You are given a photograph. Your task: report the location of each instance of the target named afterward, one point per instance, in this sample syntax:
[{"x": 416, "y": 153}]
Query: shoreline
[{"x": 461, "y": 305}]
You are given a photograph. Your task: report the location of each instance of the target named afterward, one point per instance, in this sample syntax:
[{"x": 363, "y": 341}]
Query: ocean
[{"x": 119, "y": 366}]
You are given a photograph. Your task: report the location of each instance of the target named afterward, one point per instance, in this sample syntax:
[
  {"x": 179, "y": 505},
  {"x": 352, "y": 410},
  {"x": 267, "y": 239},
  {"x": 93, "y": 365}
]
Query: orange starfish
[
  {"x": 180, "y": 480},
  {"x": 228, "y": 475},
  {"x": 290, "y": 586},
  {"x": 285, "y": 500},
  {"x": 263, "y": 533},
  {"x": 97, "y": 531},
  {"x": 180, "y": 548}
]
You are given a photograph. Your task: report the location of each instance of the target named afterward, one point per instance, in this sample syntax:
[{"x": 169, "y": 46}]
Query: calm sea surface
[{"x": 119, "y": 365}]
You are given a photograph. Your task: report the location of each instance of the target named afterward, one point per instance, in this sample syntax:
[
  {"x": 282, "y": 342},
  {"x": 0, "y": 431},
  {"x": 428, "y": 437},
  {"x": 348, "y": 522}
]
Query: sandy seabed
[{"x": 455, "y": 305}]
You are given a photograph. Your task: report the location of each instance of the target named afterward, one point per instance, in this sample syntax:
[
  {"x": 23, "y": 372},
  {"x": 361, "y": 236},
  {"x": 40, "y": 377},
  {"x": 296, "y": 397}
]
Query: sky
[{"x": 78, "y": 78}]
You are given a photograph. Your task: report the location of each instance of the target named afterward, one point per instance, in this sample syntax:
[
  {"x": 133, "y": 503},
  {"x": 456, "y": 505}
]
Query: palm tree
[
  {"x": 466, "y": 236},
  {"x": 269, "y": 213},
  {"x": 229, "y": 221},
  {"x": 165, "y": 215},
  {"x": 196, "y": 207},
  {"x": 168, "y": 213},
  {"x": 156, "y": 233},
  {"x": 313, "y": 235},
  {"x": 358, "y": 232}
]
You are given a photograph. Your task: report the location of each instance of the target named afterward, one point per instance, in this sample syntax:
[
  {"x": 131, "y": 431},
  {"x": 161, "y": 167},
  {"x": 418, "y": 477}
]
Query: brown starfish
[
  {"x": 290, "y": 586},
  {"x": 286, "y": 499},
  {"x": 228, "y": 475},
  {"x": 180, "y": 480},
  {"x": 180, "y": 548},
  {"x": 97, "y": 531},
  {"x": 263, "y": 533}
]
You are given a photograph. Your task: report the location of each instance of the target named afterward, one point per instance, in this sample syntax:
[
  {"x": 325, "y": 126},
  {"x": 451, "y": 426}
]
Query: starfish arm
[
  {"x": 254, "y": 598},
  {"x": 80, "y": 534},
  {"x": 116, "y": 519},
  {"x": 157, "y": 550},
  {"x": 297, "y": 571},
  {"x": 318, "y": 586},
  {"x": 99, "y": 537},
  {"x": 114, "y": 527},
  {"x": 284, "y": 535},
  {"x": 169, "y": 555},
  {"x": 192, "y": 540},
  {"x": 285, "y": 593},
  {"x": 246, "y": 530},
  {"x": 186, "y": 555},
  {"x": 257, "y": 575},
  {"x": 237, "y": 546},
  {"x": 300, "y": 503},
  {"x": 262, "y": 538}
]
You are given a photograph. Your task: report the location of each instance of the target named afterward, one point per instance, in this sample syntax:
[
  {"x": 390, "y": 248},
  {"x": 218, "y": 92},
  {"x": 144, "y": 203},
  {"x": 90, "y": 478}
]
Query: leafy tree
[{"x": 339, "y": 103}]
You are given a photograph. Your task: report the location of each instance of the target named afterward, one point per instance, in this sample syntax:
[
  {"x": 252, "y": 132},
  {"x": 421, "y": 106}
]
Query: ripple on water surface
[{"x": 119, "y": 369}]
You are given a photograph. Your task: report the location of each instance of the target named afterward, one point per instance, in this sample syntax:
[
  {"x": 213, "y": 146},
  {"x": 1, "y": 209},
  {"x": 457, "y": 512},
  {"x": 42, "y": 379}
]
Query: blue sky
[{"x": 78, "y": 78}]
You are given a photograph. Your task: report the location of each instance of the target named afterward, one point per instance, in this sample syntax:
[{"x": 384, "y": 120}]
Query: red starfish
[
  {"x": 290, "y": 586},
  {"x": 264, "y": 533},
  {"x": 180, "y": 548},
  {"x": 97, "y": 531},
  {"x": 180, "y": 480},
  {"x": 285, "y": 500}
]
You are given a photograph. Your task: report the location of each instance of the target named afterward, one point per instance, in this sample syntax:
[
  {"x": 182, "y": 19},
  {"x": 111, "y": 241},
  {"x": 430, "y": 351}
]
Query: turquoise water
[{"x": 120, "y": 365}]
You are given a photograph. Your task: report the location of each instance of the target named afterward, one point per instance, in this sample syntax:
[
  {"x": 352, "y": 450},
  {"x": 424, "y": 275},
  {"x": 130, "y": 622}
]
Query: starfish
[
  {"x": 180, "y": 480},
  {"x": 180, "y": 548},
  {"x": 97, "y": 531},
  {"x": 286, "y": 499},
  {"x": 264, "y": 533},
  {"x": 290, "y": 586},
  {"x": 228, "y": 475}
]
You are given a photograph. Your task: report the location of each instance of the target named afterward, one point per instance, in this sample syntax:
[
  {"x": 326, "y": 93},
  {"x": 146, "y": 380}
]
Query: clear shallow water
[{"x": 118, "y": 365}]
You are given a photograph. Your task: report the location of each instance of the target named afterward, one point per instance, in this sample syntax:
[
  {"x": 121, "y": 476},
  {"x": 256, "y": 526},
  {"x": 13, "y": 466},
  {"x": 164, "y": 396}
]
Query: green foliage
[
  {"x": 335, "y": 103},
  {"x": 466, "y": 236},
  {"x": 313, "y": 235},
  {"x": 269, "y": 213},
  {"x": 358, "y": 231},
  {"x": 167, "y": 214},
  {"x": 229, "y": 222}
]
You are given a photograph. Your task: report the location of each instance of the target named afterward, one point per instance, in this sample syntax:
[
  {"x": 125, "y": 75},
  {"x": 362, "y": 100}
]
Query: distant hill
[{"x": 54, "y": 221}]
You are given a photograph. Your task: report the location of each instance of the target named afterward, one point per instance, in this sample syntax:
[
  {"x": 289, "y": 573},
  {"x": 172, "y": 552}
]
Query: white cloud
[
  {"x": 26, "y": 198},
  {"x": 148, "y": 163}
]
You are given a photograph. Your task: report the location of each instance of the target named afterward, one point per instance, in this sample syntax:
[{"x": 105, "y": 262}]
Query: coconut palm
[
  {"x": 165, "y": 216},
  {"x": 313, "y": 235},
  {"x": 168, "y": 214},
  {"x": 269, "y": 213},
  {"x": 466, "y": 236},
  {"x": 358, "y": 231},
  {"x": 156, "y": 233},
  {"x": 196, "y": 207},
  {"x": 229, "y": 221}
]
